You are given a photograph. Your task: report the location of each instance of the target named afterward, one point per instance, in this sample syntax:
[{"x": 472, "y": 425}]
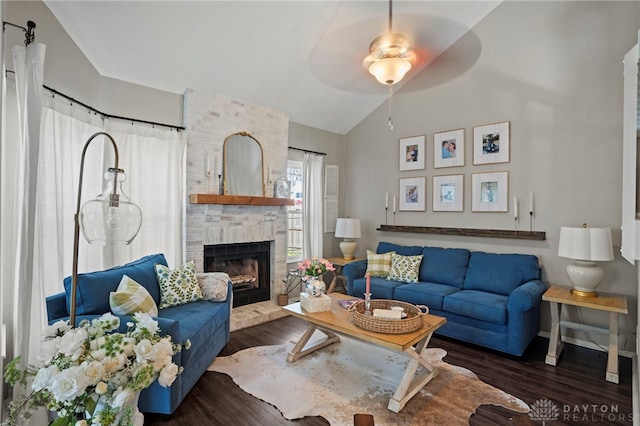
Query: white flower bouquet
[{"x": 92, "y": 375}]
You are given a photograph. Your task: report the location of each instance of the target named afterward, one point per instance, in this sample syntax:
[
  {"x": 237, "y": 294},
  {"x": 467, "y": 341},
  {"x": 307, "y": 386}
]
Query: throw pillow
[
  {"x": 379, "y": 265},
  {"x": 130, "y": 297},
  {"x": 404, "y": 268},
  {"x": 178, "y": 286},
  {"x": 214, "y": 285}
]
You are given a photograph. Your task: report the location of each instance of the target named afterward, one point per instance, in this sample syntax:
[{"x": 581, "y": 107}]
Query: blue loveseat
[
  {"x": 489, "y": 299},
  {"x": 204, "y": 323}
]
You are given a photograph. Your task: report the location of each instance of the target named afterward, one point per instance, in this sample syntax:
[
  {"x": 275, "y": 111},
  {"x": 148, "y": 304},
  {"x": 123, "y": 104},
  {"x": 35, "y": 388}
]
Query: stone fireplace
[
  {"x": 248, "y": 266},
  {"x": 209, "y": 119}
]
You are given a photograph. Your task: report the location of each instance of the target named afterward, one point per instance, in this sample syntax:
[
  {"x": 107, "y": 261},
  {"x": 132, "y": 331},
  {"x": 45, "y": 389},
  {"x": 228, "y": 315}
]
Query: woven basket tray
[{"x": 412, "y": 322}]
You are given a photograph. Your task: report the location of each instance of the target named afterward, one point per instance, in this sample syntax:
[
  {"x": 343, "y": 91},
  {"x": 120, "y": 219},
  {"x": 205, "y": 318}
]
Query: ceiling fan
[{"x": 391, "y": 56}]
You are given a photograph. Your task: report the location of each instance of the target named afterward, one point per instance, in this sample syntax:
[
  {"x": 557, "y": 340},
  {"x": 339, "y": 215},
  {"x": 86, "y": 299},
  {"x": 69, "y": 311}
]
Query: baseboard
[{"x": 586, "y": 344}]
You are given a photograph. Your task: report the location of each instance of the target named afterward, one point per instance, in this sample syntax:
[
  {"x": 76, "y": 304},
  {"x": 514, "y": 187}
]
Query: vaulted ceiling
[{"x": 302, "y": 57}]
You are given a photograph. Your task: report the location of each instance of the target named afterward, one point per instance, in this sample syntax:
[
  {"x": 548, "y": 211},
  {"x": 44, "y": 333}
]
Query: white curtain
[
  {"x": 153, "y": 161},
  {"x": 29, "y": 70},
  {"x": 312, "y": 205}
]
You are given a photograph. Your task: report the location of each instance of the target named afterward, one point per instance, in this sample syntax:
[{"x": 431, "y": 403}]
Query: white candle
[
  {"x": 386, "y": 200},
  {"x": 531, "y": 202},
  {"x": 515, "y": 207},
  {"x": 394, "y": 203}
]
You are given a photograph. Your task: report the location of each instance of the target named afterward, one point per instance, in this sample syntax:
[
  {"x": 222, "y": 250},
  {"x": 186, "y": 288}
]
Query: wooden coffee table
[{"x": 337, "y": 320}]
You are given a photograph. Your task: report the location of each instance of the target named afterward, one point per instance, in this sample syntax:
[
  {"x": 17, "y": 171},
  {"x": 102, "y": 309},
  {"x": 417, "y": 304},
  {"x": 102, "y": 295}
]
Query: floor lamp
[{"x": 109, "y": 218}]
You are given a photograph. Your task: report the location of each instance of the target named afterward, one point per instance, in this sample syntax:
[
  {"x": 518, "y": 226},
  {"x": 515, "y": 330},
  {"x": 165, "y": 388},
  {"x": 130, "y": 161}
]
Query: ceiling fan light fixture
[{"x": 390, "y": 70}]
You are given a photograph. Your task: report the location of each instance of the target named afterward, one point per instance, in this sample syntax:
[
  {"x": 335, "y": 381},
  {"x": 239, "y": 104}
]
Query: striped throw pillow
[
  {"x": 405, "y": 268},
  {"x": 130, "y": 297},
  {"x": 379, "y": 265}
]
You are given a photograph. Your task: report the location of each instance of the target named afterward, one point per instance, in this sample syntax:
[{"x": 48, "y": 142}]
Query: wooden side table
[
  {"x": 615, "y": 305},
  {"x": 339, "y": 263}
]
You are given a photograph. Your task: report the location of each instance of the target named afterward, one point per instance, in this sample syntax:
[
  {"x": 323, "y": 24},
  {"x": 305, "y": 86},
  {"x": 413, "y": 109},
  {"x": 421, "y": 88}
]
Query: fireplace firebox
[{"x": 248, "y": 266}]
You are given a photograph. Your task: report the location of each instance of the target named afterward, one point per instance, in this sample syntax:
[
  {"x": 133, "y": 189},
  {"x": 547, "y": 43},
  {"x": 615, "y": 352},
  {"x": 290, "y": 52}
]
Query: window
[{"x": 294, "y": 213}]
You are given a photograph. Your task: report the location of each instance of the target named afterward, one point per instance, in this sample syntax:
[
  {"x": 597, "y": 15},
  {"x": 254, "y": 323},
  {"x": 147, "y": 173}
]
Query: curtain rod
[
  {"x": 105, "y": 115},
  {"x": 29, "y": 33},
  {"x": 306, "y": 151}
]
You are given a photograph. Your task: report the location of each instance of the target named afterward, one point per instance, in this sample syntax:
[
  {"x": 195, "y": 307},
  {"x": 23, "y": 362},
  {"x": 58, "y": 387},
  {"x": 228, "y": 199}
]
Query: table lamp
[
  {"x": 348, "y": 229},
  {"x": 585, "y": 246}
]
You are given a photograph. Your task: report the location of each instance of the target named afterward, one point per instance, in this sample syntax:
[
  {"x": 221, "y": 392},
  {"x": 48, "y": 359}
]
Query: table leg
[
  {"x": 299, "y": 350},
  {"x": 410, "y": 384},
  {"x": 612, "y": 362},
  {"x": 555, "y": 339}
]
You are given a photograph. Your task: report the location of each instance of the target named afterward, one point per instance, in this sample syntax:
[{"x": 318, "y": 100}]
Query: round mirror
[{"x": 243, "y": 165}]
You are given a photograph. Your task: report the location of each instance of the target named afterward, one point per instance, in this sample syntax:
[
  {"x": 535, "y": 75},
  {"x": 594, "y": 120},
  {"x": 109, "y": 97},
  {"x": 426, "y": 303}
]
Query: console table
[{"x": 615, "y": 305}]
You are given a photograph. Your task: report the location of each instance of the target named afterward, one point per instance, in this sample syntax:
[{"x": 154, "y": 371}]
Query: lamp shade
[
  {"x": 390, "y": 70},
  {"x": 348, "y": 228},
  {"x": 590, "y": 244},
  {"x": 111, "y": 217}
]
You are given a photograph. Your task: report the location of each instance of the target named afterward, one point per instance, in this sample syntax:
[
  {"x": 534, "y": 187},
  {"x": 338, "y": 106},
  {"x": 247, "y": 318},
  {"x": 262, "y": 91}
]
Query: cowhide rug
[{"x": 352, "y": 377}]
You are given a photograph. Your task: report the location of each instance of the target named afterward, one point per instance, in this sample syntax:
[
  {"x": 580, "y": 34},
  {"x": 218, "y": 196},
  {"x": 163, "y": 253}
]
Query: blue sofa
[
  {"x": 204, "y": 323},
  {"x": 489, "y": 299}
]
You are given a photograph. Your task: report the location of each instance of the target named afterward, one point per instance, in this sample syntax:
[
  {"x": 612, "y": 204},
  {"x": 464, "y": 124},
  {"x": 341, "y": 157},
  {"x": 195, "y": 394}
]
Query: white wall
[{"x": 554, "y": 70}]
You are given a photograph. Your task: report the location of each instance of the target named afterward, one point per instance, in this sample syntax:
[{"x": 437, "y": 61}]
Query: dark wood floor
[{"x": 576, "y": 386}]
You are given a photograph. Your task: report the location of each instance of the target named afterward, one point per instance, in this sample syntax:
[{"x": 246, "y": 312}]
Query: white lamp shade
[
  {"x": 348, "y": 228},
  {"x": 390, "y": 70},
  {"x": 590, "y": 244}
]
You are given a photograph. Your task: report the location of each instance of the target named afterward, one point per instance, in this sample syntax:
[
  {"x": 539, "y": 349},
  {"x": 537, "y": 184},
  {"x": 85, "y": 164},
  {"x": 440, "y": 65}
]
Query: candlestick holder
[
  {"x": 208, "y": 174},
  {"x": 367, "y": 304},
  {"x": 394, "y": 218},
  {"x": 220, "y": 188},
  {"x": 386, "y": 215},
  {"x": 515, "y": 221},
  {"x": 531, "y": 221}
]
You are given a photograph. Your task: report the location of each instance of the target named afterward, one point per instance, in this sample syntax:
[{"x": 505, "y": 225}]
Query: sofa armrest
[
  {"x": 352, "y": 271},
  {"x": 56, "y": 306},
  {"x": 527, "y": 296}
]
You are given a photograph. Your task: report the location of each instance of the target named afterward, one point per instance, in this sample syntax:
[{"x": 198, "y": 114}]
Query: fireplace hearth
[{"x": 248, "y": 266}]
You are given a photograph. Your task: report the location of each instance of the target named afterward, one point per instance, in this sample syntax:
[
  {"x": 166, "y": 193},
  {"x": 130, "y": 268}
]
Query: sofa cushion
[
  {"x": 476, "y": 304},
  {"x": 424, "y": 293},
  {"x": 444, "y": 265},
  {"x": 500, "y": 273},
  {"x": 379, "y": 265},
  {"x": 214, "y": 285},
  {"x": 381, "y": 288},
  {"x": 404, "y": 268},
  {"x": 403, "y": 250},
  {"x": 178, "y": 286},
  {"x": 93, "y": 288},
  {"x": 130, "y": 297},
  {"x": 199, "y": 322}
]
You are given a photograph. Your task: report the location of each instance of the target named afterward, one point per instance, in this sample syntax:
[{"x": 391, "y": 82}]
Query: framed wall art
[
  {"x": 448, "y": 194},
  {"x": 490, "y": 192},
  {"x": 491, "y": 143},
  {"x": 412, "y": 194},
  {"x": 412, "y": 153},
  {"x": 448, "y": 149}
]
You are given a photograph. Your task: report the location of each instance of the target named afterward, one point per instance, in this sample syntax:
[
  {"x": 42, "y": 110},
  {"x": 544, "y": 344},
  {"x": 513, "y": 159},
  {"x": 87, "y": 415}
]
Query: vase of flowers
[
  {"x": 313, "y": 269},
  {"x": 92, "y": 375}
]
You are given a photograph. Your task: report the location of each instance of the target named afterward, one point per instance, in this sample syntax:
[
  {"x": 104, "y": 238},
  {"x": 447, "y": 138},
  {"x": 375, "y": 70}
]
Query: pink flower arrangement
[{"x": 315, "y": 267}]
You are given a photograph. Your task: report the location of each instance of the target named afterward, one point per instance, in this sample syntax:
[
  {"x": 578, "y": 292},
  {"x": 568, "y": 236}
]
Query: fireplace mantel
[{"x": 242, "y": 200}]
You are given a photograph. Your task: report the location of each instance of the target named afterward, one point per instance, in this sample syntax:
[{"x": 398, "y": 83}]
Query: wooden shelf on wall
[
  {"x": 240, "y": 200},
  {"x": 467, "y": 232}
]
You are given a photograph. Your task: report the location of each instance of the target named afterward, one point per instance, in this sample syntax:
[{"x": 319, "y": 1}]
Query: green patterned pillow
[
  {"x": 130, "y": 297},
  {"x": 404, "y": 268},
  {"x": 178, "y": 286},
  {"x": 379, "y": 265}
]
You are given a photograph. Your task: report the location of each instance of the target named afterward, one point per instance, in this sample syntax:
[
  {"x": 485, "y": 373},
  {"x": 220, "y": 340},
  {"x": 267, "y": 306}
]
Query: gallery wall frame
[
  {"x": 491, "y": 143},
  {"x": 412, "y": 194},
  {"x": 448, "y": 193},
  {"x": 411, "y": 153},
  {"x": 490, "y": 192},
  {"x": 448, "y": 149}
]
